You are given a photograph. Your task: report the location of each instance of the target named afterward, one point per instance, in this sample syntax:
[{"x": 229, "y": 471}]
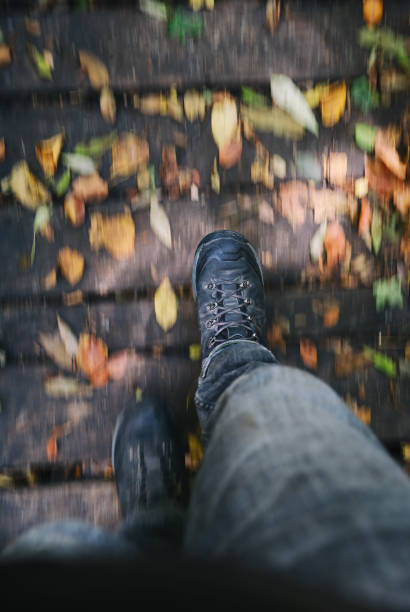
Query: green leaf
[
  {"x": 381, "y": 362},
  {"x": 391, "y": 230},
  {"x": 96, "y": 147},
  {"x": 389, "y": 42},
  {"x": 182, "y": 25},
  {"x": 376, "y": 230},
  {"x": 81, "y": 164},
  {"x": 365, "y": 136},
  {"x": 39, "y": 61},
  {"x": 363, "y": 96},
  {"x": 42, "y": 217},
  {"x": 253, "y": 98},
  {"x": 63, "y": 183},
  {"x": 290, "y": 99},
  {"x": 388, "y": 293}
]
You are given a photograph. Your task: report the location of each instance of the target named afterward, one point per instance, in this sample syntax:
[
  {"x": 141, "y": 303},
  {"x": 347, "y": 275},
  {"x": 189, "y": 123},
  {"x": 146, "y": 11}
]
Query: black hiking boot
[
  {"x": 228, "y": 288},
  {"x": 147, "y": 458}
]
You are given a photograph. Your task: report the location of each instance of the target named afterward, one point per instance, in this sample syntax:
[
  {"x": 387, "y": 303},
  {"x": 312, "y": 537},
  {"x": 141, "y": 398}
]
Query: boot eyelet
[
  {"x": 248, "y": 301},
  {"x": 254, "y": 336},
  {"x": 210, "y": 286},
  {"x": 250, "y": 318},
  {"x": 211, "y": 306},
  {"x": 209, "y": 323},
  {"x": 245, "y": 284}
]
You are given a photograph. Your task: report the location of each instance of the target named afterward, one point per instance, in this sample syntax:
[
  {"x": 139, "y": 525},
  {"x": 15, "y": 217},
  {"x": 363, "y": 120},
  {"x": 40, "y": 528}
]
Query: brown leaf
[
  {"x": 292, "y": 202},
  {"x": 32, "y": 26},
  {"x": 275, "y": 337},
  {"x": 331, "y": 316},
  {"x": 91, "y": 188},
  {"x": 266, "y": 213},
  {"x": 48, "y": 153},
  {"x": 385, "y": 150},
  {"x": 334, "y": 243},
  {"x": 107, "y": 105},
  {"x": 5, "y": 57},
  {"x": 117, "y": 365},
  {"x": 74, "y": 209},
  {"x": 365, "y": 220},
  {"x": 52, "y": 451},
  {"x": 71, "y": 264},
  {"x": 95, "y": 68},
  {"x": 272, "y": 14},
  {"x": 401, "y": 199},
  {"x": 328, "y": 203},
  {"x": 55, "y": 349},
  {"x": 2, "y": 149},
  {"x": 405, "y": 249},
  {"x": 380, "y": 179},
  {"x": 92, "y": 356},
  {"x": 348, "y": 362},
  {"x": 337, "y": 168},
  {"x": 129, "y": 154},
  {"x": 169, "y": 171},
  {"x": 308, "y": 353},
  {"x": 116, "y": 234},
  {"x": 50, "y": 280}
]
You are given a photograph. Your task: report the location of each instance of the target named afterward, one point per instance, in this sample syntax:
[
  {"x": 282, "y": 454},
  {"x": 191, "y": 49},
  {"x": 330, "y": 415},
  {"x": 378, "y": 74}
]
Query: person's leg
[
  {"x": 150, "y": 478},
  {"x": 291, "y": 480}
]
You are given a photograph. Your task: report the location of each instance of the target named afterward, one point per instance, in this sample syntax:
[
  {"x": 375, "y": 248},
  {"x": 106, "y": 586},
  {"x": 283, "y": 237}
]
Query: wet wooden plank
[
  {"x": 132, "y": 324},
  {"x": 314, "y": 41},
  {"x": 92, "y": 502},
  {"x": 28, "y": 415}
]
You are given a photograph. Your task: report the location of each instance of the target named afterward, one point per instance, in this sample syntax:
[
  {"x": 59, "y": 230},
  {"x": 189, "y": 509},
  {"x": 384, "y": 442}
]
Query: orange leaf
[
  {"x": 331, "y": 316},
  {"x": 52, "y": 451},
  {"x": 334, "y": 243},
  {"x": 385, "y": 150},
  {"x": 117, "y": 365},
  {"x": 92, "y": 359},
  {"x": 365, "y": 218},
  {"x": 372, "y": 11},
  {"x": 71, "y": 264},
  {"x": 308, "y": 353}
]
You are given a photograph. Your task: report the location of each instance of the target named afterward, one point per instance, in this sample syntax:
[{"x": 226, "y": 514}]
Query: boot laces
[{"x": 218, "y": 322}]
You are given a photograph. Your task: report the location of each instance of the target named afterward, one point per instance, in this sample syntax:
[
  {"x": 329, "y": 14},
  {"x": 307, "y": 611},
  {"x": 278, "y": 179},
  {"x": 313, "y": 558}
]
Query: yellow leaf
[
  {"x": 129, "y": 153},
  {"x": 95, "y": 68},
  {"x": 48, "y": 152},
  {"x": 166, "y": 305},
  {"x": 224, "y": 120},
  {"x": 107, "y": 105},
  {"x": 215, "y": 180},
  {"x": 194, "y": 105},
  {"x": 195, "y": 352},
  {"x": 332, "y": 103},
  {"x": 115, "y": 233},
  {"x": 27, "y": 188}
]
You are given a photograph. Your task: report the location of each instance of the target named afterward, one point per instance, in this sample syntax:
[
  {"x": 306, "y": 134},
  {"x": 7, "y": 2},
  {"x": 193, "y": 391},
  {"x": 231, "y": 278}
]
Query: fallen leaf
[
  {"x": 48, "y": 153},
  {"x": 66, "y": 387},
  {"x": 2, "y": 149},
  {"x": 347, "y": 363},
  {"x": 32, "y": 26},
  {"x": 95, "y": 68},
  {"x": 365, "y": 136},
  {"x": 27, "y": 188},
  {"x": 361, "y": 187},
  {"x": 55, "y": 349},
  {"x": 39, "y": 61},
  {"x": 272, "y": 14},
  {"x": 308, "y": 353},
  {"x": 405, "y": 249},
  {"x": 183, "y": 25},
  {"x": 230, "y": 154},
  {"x": 50, "y": 280},
  {"x": 401, "y": 199},
  {"x": 63, "y": 183},
  {"x": 116, "y": 234},
  {"x": 68, "y": 338},
  {"x": 74, "y": 209},
  {"x": 224, "y": 120},
  {"x": 381, "y": 362},
  {"x": 155, "y": 9},
  {"x": 117, "y": 365},
  {"x": 194, "y": 105},
  {"x": 292, "y": 202},
  {"x": 215, "y": 180},
  {"x": 381, "y": 180},
  {"x": 166, "y": 305},
  {"x": 73, "y": 298},
  {"x": 334, "y": 243},
  {"x": 6, "y": 481},
  {"x": 52, "y": 451},
  {"x": 195, "y": 452},
  {"x": 388, "y": 293},
  {"x": 316, "y": 244},
  {"x": 275, "y": 337},
  {"x": 363, "y": 95},
  {"x": 407, "y": 351},
  {"x": 312, "y": 96},
  {"x": 71, "y": 264},
  {"x": 337, "y": 168},
  {"x": 41, "y": 219},
  {"x": 81, "y": 164},
  {"x": 261, "y": 173},
  {"x": 331, "y": 316},
  {"x": 91, "y": 188},
  {"x": 174, "y": 106},
  {"x": 107, "y": 105},
  {"x": 159, "y": 222},
  {"x": 308, "y": 166},
  {"x": 265, "y": 211},
  {"x": 376, "y": 231},
  {"x": 290, "y": 99},
  {"x": 96, "y": 147},
  {"x": 152, "y": 104},
  {"x": 364, "y": 222},
  {"x": 143, "y": 179},
  {"x": 169, "y": 171},
  {"x": 195, "y": 352},
  {"x": 129, "y": 154},
  {"x": 372, "y": 12},
  {"x": 5, "y": 57},
  {"x": 278, "y": 165},
  {"x": 385, "y": 150},
  {"x": 363, "y": 413},
  {"x": 92, "y": 354},
  {"x": 272, "y": 120},
  {"x": 332, "y": 103}
]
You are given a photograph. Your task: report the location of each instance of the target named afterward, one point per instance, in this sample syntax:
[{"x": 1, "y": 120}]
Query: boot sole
[{"x": 215, "y": 237}]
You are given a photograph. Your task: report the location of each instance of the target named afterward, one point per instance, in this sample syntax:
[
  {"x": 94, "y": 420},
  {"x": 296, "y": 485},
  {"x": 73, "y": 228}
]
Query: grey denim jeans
[{"x": 291, "y": 480}]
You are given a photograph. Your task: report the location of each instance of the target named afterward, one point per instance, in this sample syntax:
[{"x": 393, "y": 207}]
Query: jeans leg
[{"x": 292, "y": 480}]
